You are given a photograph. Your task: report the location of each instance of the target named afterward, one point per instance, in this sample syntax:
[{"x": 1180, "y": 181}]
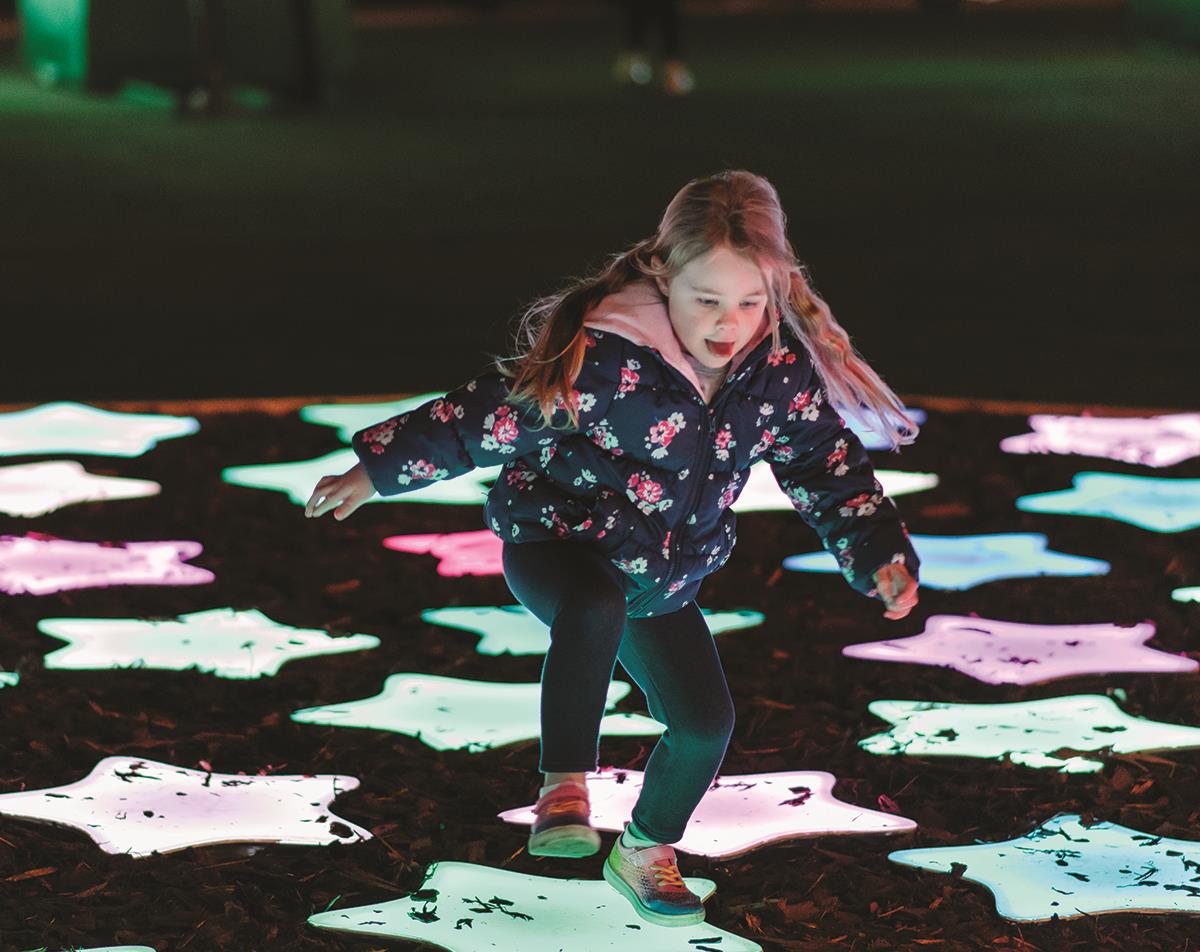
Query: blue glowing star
[
  {"x": 960, "y": 562},
  {"x": 1064, "y": 870},
  {"x": 76, "y": 428},
  {"x": 453, "y": 714},
  {"x": 512, "y": 629},
  {"x": 1187, "y": 594},
  {"x": 349, "y": 418},
  {"x": 524, "y": 913},
  {"x": 298, "y": 479},
  {"x": 1152, "y": 502}
]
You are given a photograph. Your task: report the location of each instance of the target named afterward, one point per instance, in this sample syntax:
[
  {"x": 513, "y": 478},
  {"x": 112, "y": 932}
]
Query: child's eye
[
  {"x": 749, "y": 304},
  {"x": 707, "y": 302}
]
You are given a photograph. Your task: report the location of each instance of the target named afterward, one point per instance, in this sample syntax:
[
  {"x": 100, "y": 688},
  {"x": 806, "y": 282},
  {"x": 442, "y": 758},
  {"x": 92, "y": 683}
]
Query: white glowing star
[
  {"x": 1161, "y": 505},
  {"x": 512, "y": 629},
  {"x": 142, "y": 807},
  {"x": 871, "y": 438},
  {"x": 37, "y": 565},
  {"x": 740, "y": 812},
  {"x": 224, "y": 642},
  {"x": 298, "y": 480},
  {"x": 1187, "y": 594},
  {"x": 1052, "y": 732},
  {"x": 458, "y": 553},
  {"x": 1150, "y": 441},
  {"x": 959, "y": 562},
  {"x": 76, "y": 428},
  {"x": 349, "y": 418},
  {"x": 453, "y": 714},
  {"x": 462, "y": 907},
  {"x": 35, "y": 489},
  {"x": 9, "y": 679},
  {"x": 1064, "y": 869},
  {"x": 762, "y": 491},
  {"x": 1005, "y": 652}
]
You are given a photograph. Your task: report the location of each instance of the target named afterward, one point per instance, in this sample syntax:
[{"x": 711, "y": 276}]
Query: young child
[{"x": 627, "y": 423}]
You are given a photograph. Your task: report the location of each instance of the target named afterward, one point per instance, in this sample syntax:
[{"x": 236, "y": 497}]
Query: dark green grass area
[{"x": 1003, "y": 206}]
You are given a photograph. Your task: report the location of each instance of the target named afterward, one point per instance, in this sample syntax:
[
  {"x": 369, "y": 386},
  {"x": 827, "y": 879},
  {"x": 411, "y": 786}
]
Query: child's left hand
[{"x": 897, "y": 588}]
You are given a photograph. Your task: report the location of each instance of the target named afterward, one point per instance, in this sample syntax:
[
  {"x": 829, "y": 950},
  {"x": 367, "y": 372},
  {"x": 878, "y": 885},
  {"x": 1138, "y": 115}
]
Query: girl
[{"x": 627, "y": 424}]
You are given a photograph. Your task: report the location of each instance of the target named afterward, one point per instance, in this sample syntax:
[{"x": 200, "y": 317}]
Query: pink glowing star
[
  {"x": 740, "y": 812},
  {"x": 1004, "y": 652},
  {"x": 37, "y": 564},
  {"x": 458, "y": 553},
  {"x": 1150, "y": 441}
]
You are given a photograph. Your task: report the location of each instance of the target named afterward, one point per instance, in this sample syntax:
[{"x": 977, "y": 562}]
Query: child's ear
[{"x": 663, "y": 284}]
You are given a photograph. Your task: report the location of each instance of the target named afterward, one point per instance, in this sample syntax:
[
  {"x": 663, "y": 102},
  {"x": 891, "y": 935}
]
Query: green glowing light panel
[
  {"x": 524, "y": 913},
  {"x": 37, "y": 489},
  {"x": 1052, "y": 732},
  {"x": 454, "y": 714},
  {"x": 1064, "y": 869},
  {"x": 77, "y": 428}
]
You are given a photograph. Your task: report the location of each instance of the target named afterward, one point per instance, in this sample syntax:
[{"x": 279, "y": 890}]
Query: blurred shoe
[
  {"x": 649, "y": 878},
  {"x": 677, "y": 79},
  {"x": 632, "y": 67},
  {"x": 562, "y": 822}
]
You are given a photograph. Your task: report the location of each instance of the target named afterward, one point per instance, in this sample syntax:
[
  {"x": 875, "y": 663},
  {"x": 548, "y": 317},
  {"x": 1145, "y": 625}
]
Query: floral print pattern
[{"x": 662, "y": 433}]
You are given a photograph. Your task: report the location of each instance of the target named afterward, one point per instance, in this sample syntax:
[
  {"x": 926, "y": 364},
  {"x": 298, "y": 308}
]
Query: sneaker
[
  {"x": 562, "y": 824},
  {"x": 633, "y": 67},
  {"x": 649, "y": 878},
  {"x": 677, "y": 79}
]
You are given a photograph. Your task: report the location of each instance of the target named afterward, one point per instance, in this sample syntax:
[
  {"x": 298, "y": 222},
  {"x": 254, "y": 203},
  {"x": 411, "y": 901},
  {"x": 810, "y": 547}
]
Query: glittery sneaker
[
  {"x": 649, "y": 878},
  {"x": 562, "y": 822}
]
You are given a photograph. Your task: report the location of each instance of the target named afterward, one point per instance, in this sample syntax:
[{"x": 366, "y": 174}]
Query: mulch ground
[{"x": 800, "y": 705}]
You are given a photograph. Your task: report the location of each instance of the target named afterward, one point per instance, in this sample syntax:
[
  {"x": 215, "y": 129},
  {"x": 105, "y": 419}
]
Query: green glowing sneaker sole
[{"x": 573, "y": 840}]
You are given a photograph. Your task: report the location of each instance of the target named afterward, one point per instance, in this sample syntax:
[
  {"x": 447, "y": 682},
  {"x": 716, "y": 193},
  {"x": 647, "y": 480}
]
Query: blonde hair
[{"x": 735, "y": 209}]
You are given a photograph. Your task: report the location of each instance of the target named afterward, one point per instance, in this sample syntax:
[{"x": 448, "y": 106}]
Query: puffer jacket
[{"x": 651, "y": 470}]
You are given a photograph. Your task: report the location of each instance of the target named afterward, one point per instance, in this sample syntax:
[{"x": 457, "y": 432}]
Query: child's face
[{"x": 717, "y": 304}]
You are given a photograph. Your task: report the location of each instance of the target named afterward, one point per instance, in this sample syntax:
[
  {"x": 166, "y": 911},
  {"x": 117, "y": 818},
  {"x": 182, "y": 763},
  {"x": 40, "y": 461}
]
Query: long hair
[{"x": 734, "y": 209}]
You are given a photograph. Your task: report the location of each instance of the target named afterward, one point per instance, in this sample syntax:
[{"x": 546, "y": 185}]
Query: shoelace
[{"x": 667, "y": 874}]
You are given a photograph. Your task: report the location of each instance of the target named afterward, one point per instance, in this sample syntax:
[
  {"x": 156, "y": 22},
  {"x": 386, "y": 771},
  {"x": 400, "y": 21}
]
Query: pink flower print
[
  {"x": 421, "y": 469},
  {"x": 676, "y": 585},
  {"x": 836, "y": 461},
  {"x": 604, "y": 438},
  {"x": 589, "y": 340},
  {"x": 521, "y": 477},
  {"x": 444, "y": 411},
  {"x": 629, "y": 378},
  {"x": 646, "y": 493},
  {"x": 666, "y": 546},
  {"x": 806, "y": 405},
  {"x": 764, "y": 442},
  {"x": 783, "y": 355},
  {"x": 723, "y": 442},
  {"x": 783, "y": 453},
  {"x": 863, "y": 504},
  {"x": 730, "y": 492},
  {"x": 801, "y": 499},
  {"x": 580, "y": 402},
  {"x": 662, "y": 432},
  {"x": 500, "y": 429},
  {"x": 380, "y": 435},
  {"x": 636, "y": 566}
]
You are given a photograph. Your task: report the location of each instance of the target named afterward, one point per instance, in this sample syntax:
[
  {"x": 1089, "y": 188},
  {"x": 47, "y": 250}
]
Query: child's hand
[
  {"x": 342, "y": 494},
  {"x": 898, "y": 590}
]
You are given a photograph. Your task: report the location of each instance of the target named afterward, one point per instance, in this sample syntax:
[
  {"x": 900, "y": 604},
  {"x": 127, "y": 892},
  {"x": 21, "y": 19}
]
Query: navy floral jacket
[{"x": 651, "y": 471}]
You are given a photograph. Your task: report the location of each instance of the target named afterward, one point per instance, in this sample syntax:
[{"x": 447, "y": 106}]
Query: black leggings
[{"x": 582, "y": 597}]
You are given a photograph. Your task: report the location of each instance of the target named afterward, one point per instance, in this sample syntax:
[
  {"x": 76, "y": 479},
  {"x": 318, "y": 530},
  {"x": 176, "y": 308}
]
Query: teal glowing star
[
  {"x": 9, "y": 679},
  {"x": 115, "y": 948},
  {"x": 1187, "y": 594},
  {"x": 76, "y": 428},
  {"x": 224, "y": 642},
  {"x": 1051, "y": 732},
  {"x": 298, "y": 479},
  {"x": 349, "y": 418},
  {"x": 1151, "y": 502},
  {"x": 453, "y": 714},
  {"x": 36, "y": 489},
  {"x": 762, "y": 492},
  {"x": 524, "y": 913},
  {"x": 1063, "y": 870},
  {"x": 512, "y": 629},
  {"x": 960, "y": 562}
]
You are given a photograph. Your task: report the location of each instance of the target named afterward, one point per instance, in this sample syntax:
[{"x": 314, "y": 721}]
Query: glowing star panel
[
  {"x": 524, "y": 913},
  {"x": 9, "y": 679},
  {"x": 224, "y": 642},
  {"x": 740, "y": 812},
  {"x": 37, "y": 565},
  {"x": 300, "y": 478},
  {"x": 76, "y": 428},
  {"x": 961, "y": 562},
  {"x": 349, "y": 418},
  {"x": 458, "y": 553},
  {"x": 1187, "y": 594},
  {"x": 1065, "y": 869},
  {"x": 512, "y": 629},
  {"x": 453, "y": 714},
  {"x": 142, "y": 807},
  {"x": 36, "y": 489},
  {"x": 1005, "y": 652},
  {"x": 1033, "y": 733},
  {"x": 871, "y": 438},
  {"x": 1151, "y": 441},
  {"x": 116, "y": 948},
  {"x": 1161, "y": 505},
  {"x": 762, "y": 492}
]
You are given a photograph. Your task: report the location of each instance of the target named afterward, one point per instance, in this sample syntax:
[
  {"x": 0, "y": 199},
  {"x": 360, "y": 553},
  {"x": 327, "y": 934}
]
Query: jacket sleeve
[
  {"x": 474, "y": 425},
  {"x": 824, "y": 470}
]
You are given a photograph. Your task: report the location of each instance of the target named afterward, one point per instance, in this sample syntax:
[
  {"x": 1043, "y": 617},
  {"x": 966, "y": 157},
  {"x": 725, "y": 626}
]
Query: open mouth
[{"x": 720, "y": 348}]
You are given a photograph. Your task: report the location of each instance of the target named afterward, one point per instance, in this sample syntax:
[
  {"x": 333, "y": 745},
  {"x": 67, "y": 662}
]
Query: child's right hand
[{"x": 341, "y": 494}]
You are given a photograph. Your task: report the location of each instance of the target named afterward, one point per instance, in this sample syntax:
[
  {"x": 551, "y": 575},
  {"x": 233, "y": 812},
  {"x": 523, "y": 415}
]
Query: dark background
[{"x": 1001, "y": 204}]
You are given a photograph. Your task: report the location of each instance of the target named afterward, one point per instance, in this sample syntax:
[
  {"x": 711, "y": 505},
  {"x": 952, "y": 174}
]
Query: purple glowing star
[
  {"x": 458, "y": 553},
  {"x": 1004, "y": 652},
  {"x": 36, "y": 564},
  {"x": 1150, "y": 441}
]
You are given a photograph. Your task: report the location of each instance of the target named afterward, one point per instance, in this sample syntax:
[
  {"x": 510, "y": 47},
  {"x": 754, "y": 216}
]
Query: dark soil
[{"x": 801, "y": 705}]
